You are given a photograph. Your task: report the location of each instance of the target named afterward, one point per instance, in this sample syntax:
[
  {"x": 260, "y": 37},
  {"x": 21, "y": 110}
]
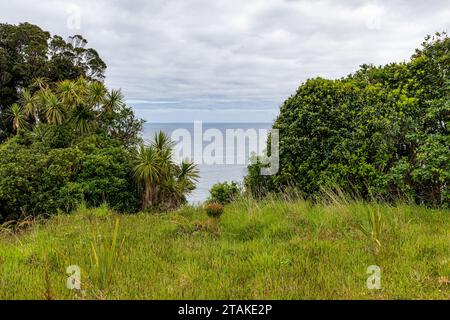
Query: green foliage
[
  {"x": 77, "y": 147},
  {"x": 224, "y": 193},
  {"x": 105, "y": 257},
  {"x": 16, "y": 115},
  {"x": 270, "y": 249},
  {"x": 28, "y": 53},
  {"x": 38, "y": 180},
  {"x": 76, "y": 108},
  {"x": 163, "y": 183},
  {"x": 105, "y": 176},
  {"x": 75, "y": 141},
  {"x": 382, "y": 132},
  {"x": 31, "y": 178},
  {"x": 255, "y": 184}
]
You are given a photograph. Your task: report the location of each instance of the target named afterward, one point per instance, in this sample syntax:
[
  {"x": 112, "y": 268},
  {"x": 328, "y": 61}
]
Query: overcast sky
[{"x": 232, "y": 60}]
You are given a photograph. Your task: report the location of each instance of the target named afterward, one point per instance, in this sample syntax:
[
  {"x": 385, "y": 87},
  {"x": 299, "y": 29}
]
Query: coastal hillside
[{"x": 258, "y": 250}]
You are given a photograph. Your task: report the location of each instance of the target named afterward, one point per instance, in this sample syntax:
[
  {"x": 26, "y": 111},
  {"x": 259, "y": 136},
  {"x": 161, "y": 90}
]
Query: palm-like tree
[
  {"x": 164, "y": 147},
  {"x": 112, "y": 101},
  {"x": 96, "y": 94},
  {"x": 82, "y": 119},
  {"x": 40, "y": 133},
  {"x": 54, "y": 109},
  {"x": 163, "y": 142},
  {"x": 30, "y": 105},
  {"x": 187, "y": 175},
  {"x": 163, "y": 181},
  {"x": 146, "y": 172},
  {"x": 16, "y": 115},
  {"x": 69, "y": 93}
]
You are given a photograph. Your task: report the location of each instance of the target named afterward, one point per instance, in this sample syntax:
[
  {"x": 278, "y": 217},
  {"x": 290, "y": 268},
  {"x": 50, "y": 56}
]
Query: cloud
[{"x": 234, "y": 55}]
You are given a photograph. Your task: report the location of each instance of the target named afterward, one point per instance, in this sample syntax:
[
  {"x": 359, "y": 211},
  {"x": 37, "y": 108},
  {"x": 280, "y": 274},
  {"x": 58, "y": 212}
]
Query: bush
[
  {"x": 30, "y": 179},
  {"x": 214, "y": 210},
  {"x": 255, "y": 184},
  {"x": 382, "y": 132},
  {"x": 36, "y": 180},
  {"x": 105, "y": 176},
  {"x": 224, "y": 193}
]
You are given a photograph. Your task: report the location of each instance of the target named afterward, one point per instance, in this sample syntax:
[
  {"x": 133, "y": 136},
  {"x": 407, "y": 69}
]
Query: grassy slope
[{"x": 270, "y": 250}]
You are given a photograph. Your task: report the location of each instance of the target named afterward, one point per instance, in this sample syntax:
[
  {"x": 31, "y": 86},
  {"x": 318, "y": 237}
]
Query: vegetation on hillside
[
  {"x": 77, "y": 142},
  {"x": 28, "y": 53},
  {"x": 70, "y": 139},
  {"x": 73, "y": 143},
  {"x": 271, "y": 249},
  {"x": 381, "y": 132},
  {"x": 163, "y": 183},
  {"x": 69, "y": 143}
]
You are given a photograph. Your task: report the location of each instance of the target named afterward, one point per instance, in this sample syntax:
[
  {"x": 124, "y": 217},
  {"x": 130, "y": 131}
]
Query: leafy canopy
[
  {"x": 28, "y": 53},
  {"x": 380, "y": 132}
]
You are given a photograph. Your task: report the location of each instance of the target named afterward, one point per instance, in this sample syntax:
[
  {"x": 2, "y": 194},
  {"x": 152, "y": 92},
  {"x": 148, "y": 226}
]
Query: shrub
[
  {"x": 382, "y": 132},
  {"x": 36, "y": 180},
  {"x": 164, "y": 184},
  {"x": 31, "y": 178},
  {"x": 255, "y": 184},
  {"x": 224, "y": 193},
  {"x": 214, "y": 210}
]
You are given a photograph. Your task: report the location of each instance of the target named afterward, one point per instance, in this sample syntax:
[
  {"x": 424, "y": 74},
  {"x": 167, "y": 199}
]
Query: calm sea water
[{"x": 214, "y": 173}]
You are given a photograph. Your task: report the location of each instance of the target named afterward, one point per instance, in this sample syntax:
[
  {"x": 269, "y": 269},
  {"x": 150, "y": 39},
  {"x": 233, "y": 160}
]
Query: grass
[{"x": 271, "y": 249}]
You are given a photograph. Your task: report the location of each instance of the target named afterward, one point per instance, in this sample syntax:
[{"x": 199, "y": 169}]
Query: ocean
[{"x": 221, "y": 150}]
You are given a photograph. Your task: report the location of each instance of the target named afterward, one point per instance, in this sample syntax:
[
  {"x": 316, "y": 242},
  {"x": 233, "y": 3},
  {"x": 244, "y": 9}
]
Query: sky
[{"x": 232, "y": 60}]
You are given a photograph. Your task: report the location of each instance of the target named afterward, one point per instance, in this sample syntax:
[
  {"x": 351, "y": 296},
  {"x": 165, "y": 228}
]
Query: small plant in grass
[
  {"x": 105, "y": 255},
  {"x": 224, "y": 193},
  {"x": 214, "y": 210},
  {"x": 375, "y": 226}
]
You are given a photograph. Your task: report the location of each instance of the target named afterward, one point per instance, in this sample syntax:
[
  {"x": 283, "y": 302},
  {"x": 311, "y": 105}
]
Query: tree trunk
[{"x": 147, "y": 201}]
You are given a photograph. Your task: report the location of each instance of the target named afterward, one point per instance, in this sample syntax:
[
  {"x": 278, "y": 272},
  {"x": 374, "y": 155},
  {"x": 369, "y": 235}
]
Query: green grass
[{"x": 262, "y": 250}]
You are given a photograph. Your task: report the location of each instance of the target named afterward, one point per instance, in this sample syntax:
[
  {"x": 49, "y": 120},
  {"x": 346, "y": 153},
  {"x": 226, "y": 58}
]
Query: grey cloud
[{"x": 232, "y": 54}]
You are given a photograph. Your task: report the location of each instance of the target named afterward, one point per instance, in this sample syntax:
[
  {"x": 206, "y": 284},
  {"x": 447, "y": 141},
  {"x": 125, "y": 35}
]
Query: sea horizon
[{"x": 210, "y": 174}]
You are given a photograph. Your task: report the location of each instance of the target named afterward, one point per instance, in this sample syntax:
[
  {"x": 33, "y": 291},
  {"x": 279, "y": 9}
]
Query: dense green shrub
[
  {"x": 255, "y": 184},
  {"x": 381, "y": 132},
  {"x": 28, "y": 53},
  {"x": 105, "y": 176},
  {"x": 37, "y": 180},
  {"x": 224, "y": 193},
  {"x": 31, "y": 177}
]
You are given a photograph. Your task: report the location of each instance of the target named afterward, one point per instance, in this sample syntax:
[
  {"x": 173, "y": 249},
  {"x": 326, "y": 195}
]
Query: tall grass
[
  {"x": 105, "y": 256},
  {"x": 375, "y": 226},
  {"x": 275, "y": 248}
]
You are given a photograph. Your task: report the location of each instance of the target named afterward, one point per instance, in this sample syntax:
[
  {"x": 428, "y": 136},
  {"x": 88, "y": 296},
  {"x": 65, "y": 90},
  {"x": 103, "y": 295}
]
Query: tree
[
  {"x": 17, "y": 117},
  {"x": 381, "y": 132},
  {"x": 163, "y": 183},
  {"x": 146, "y": 171},
  {"x": 84, "y": 105},
  {"x": 54, "y": 109},
  {"x": 28, "y": 53}
]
